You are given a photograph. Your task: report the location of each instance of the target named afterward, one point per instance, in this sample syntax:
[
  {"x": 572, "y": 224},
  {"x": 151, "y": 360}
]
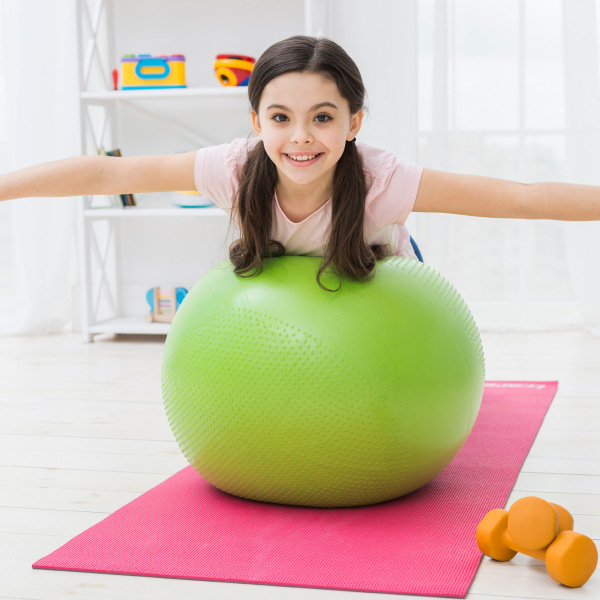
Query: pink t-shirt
[{"x": 392, "y": 187}]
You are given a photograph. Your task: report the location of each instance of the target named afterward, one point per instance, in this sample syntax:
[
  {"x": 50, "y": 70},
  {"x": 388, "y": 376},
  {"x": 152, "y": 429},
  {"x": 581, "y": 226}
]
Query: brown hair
[{"x": 346, "y": 250}]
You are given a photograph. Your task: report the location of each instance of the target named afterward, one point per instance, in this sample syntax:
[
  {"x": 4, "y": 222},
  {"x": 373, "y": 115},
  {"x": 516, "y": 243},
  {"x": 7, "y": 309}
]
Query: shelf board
[
  {"x": 139, "y": 211},
  {"x": 158, "y": 204},
  {"x": 130, "y": 325},
  {"x": 203, "y": 92}
]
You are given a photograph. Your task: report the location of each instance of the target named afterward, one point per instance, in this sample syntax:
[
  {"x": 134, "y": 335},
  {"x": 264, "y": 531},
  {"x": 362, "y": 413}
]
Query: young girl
[{"x": 305, "y": 185}]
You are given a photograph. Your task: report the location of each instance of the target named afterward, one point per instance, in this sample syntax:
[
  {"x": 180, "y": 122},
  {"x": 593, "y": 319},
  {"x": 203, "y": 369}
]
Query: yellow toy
[
  {"x": 145, "y": 71},
  {"x": 543, "y": 530}
]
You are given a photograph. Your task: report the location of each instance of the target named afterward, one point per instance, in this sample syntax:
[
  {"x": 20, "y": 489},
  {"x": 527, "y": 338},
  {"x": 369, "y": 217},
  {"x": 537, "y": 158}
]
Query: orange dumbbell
[{"x": 543, "y": 530}]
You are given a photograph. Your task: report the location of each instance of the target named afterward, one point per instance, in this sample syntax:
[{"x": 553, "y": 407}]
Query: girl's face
[{"x": 303, "y": 114}]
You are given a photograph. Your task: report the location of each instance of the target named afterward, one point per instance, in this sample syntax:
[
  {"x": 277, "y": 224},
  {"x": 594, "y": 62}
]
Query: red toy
[{"x": 233, "y": 69}]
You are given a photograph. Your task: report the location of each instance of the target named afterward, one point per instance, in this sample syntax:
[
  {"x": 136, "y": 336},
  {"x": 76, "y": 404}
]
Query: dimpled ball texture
[{"x": 279, "y": 391}]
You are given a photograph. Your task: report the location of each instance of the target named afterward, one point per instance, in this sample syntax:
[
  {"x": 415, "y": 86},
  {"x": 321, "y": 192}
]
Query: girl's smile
[{"x": 301, "y": 161}]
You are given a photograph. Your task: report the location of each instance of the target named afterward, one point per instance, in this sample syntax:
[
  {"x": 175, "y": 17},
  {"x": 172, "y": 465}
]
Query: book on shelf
[{"x": 126, "y": 199}]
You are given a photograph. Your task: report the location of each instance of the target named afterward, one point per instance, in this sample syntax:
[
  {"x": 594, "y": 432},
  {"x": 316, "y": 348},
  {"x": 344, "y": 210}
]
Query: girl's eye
[{"x": 327, "y": 118}]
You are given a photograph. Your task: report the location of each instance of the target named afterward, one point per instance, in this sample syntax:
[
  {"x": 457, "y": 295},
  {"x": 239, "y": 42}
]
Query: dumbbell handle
[{"x": 510, "y": 543}]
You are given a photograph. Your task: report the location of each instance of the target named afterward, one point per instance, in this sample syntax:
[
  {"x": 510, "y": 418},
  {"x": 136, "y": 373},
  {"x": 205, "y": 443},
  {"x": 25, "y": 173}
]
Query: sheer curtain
[
  {"x": 494, "y": 101},
  {"x": 502, "y": 88},
  {"x": 38, "y": 260}
]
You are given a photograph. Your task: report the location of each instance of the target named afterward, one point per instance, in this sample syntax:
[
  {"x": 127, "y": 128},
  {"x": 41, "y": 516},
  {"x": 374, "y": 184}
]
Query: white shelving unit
[{"x": 100, "y": 218}]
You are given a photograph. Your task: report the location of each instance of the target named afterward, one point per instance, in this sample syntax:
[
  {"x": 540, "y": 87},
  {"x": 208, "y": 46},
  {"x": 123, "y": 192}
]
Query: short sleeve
[
  {"x": 391, "y": 197},
  {"x": 217, "y": 170}
]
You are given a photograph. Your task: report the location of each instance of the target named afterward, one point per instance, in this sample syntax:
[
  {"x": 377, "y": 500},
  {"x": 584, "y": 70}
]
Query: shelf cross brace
[{"x": 103, "y": 283}]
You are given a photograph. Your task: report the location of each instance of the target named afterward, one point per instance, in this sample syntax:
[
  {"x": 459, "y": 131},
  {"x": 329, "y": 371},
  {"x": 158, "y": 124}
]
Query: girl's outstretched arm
[
  {"x": 83, "y": 175},
  {"x": 478, "y": 196}
]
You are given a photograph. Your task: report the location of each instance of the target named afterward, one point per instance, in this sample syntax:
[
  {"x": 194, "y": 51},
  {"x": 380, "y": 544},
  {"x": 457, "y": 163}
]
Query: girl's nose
[{"x": 301, "y": 136}]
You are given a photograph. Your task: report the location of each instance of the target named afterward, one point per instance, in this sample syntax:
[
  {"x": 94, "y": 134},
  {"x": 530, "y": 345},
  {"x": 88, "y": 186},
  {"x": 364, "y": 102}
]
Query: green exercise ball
[{"x": 280, "y": 391}]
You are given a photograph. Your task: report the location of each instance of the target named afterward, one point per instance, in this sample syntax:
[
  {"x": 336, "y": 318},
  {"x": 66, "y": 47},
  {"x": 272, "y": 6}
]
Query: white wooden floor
[{"x": 82, "y": 432}]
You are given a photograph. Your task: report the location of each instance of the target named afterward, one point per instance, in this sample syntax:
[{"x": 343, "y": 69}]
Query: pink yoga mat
[{"x": 423, "y": 543}]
